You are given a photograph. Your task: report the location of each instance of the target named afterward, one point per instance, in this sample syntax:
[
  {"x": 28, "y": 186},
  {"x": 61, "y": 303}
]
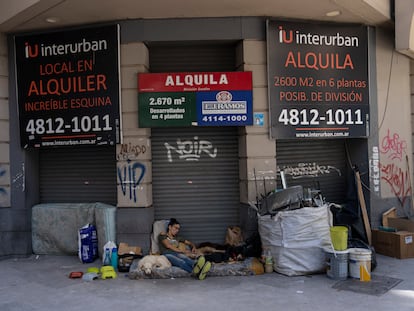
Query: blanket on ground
[{"x": 249, "y": 266}]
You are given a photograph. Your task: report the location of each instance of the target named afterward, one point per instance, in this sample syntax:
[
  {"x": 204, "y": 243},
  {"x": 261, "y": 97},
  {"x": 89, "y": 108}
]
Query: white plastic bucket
[
  {"x": 336, "y": 264},
  {"x": 359, "y": 257}
]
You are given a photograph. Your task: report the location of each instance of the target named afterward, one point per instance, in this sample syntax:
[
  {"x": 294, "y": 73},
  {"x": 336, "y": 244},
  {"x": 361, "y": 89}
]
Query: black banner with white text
[
  {"x": 68, "y": 87},
  {"x": 318, "y": 80}
]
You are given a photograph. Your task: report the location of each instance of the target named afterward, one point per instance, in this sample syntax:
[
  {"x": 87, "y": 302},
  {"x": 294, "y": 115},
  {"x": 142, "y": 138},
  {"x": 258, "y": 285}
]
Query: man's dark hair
[{"x": 173, "y": 222}]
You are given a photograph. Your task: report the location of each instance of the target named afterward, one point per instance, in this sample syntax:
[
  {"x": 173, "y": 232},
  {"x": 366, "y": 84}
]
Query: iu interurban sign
[
  {"x": 195, "y": 99},
  {"x": 68, "y": 87},
  {"x": 317, "y": 80}
]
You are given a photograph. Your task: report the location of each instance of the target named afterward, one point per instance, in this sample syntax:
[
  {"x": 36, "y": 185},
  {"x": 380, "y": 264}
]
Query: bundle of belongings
[
  {"x": 295, "y": 229},
  {"x": 236, "y": 257},
  {"x": 290, "y": 198},
  {"x": 296, "y": 239},
  {"x": 286, "y": 199},
  {"x": 126, "y": 255}
]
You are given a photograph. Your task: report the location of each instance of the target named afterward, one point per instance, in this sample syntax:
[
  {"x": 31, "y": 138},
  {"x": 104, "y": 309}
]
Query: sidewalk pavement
[{"x": 42, "y": 283}]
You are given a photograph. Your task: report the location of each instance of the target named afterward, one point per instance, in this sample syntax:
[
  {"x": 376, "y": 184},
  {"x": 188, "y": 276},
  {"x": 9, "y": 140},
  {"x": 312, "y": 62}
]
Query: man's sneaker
[
  {"x": 204, "y": 271},
  {"x": 199, "y": 265}
]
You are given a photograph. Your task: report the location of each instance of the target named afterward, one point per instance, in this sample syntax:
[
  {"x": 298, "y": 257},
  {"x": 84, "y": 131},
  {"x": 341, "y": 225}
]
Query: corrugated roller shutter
[
  {"x": 314, "y": 162},
  {"x": 201, "y": 57},
  {"x": 79, "y": 174},
  {"x": 195, "y": 175}
]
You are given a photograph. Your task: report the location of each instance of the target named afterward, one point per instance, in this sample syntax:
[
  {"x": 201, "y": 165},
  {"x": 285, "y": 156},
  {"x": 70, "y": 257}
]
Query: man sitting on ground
[{"x": 169, "y": 245}]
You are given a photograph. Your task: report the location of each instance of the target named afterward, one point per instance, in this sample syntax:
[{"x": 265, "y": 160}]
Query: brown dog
[{"x": 202, "y": 250}]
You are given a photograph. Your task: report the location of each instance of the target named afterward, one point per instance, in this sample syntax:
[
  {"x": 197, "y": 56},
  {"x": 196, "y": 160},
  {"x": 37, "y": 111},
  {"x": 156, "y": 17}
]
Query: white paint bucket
[{"x": 359, "y": 257}]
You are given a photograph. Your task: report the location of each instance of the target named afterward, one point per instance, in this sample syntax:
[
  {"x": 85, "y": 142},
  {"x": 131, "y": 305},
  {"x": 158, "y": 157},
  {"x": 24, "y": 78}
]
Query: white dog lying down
[{"x": 147, "y": 263}]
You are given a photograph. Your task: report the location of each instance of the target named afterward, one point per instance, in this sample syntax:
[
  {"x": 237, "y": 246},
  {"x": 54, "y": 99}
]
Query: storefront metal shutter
[
  {"x": 202, "y": 194},
  {"x": 78, "y": 175},
  {"x": 194, "y": 57},
  {"x": 197, "y": 185},
  {"x": 314, "y": 163}
]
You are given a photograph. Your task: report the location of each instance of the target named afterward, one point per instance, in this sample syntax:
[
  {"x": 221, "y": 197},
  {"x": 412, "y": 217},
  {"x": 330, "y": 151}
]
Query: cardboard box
[
  {"x": 388, "y": 214},
  {"x": 126, "y": 255},
  {"x": 398, "y": 244},
  {"x": 401, "y": 224},
  {"x": 124, "y": 248}
]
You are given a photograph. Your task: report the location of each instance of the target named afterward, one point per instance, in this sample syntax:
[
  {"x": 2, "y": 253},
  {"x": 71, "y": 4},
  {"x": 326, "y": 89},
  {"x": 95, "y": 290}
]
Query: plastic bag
[
  {"x": 157, "y": 227},
  {"x": 234, "y": 236},
  {"x": 87, "y": 243},
  {"x": 296, "y": 239}
]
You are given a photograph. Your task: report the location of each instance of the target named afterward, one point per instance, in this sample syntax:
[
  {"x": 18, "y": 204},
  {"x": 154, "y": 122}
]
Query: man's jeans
[{"x": 180, "y": 260}]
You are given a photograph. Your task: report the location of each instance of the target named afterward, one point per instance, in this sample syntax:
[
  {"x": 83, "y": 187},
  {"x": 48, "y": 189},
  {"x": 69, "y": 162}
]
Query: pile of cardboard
[
  {"x": 126, "y": 255},
  {"x": 395, "y": 237}
]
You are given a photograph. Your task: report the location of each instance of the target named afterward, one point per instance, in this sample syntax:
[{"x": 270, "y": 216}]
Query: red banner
[{"x": 194, "y": 81}]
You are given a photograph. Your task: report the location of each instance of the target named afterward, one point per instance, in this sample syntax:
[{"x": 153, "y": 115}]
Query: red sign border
[{"x": 195, "y": 81}]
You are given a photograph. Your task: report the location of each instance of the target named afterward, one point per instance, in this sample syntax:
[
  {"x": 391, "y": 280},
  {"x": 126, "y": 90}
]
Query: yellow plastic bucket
[{"x": 339, "y": 237}]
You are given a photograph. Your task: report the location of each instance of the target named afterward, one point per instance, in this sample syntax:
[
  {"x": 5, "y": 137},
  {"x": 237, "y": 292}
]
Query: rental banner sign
[
  {"x": 195, "y": 99},
  {"x": 68, "y": 87},
  {"x": 317, "y": 80}
]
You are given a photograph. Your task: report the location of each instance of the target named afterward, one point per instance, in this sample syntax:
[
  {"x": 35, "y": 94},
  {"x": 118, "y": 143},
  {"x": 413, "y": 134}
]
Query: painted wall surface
[
  {"x": 394, "y": 128},
  {"x": 257, "y": 151},
  {"x": 133, "y": 155},
  {"x": 4, "y": 126},
  {"x": 257, "y": 154}
]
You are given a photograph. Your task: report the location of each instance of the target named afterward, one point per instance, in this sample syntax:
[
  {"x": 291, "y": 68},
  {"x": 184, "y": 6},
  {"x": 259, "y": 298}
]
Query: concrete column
[
  {"x": 134, "y": 154},
  {"x": 135, "y": 214},
  {"x": 257, "y": 153},
  {"x": 4, "y": 126}
]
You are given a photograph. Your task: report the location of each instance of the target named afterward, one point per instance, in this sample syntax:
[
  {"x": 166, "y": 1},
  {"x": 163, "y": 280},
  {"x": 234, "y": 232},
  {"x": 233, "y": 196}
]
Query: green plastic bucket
[{"x": 339, "y": 237}]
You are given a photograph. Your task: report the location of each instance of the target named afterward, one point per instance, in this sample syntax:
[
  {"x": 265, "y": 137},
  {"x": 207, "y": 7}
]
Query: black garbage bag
[{"x": 285, "y": 199}]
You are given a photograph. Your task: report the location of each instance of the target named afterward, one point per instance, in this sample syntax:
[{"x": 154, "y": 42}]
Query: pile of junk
[{"x": 299, "y": 237}]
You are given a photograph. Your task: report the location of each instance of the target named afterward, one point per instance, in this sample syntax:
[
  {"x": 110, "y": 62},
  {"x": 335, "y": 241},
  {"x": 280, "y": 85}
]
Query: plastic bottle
[
  {"x": 267, "y": 260},
  {"x": 268, "y": 257},
  {"x": 107, "y": 258},
  {"x": 114, "y": 258}
]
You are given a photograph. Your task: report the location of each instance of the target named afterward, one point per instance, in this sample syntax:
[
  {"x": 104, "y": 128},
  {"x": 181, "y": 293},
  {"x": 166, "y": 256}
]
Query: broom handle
[{"x": 363, "y": 207}]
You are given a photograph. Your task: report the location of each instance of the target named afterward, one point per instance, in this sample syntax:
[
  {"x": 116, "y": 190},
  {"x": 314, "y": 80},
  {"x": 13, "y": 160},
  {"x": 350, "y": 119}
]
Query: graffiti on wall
[
  {"x": 131, "y": 171},
  {"x": 312, "y": 169},
  {"x": 130, "y": 176},
  {"x": 395, "y": 171},
  {"x": 4, "y": 192},
  {"x": 397, "y": 179},
  {"x": 190, "y": 150},
  {"x": 374, "y": 165},
  {"x": 131, "y": 151},
  {"x": 393, "y": 147}
]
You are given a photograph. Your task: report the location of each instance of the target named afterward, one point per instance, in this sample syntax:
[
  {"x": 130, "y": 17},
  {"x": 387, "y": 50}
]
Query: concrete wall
[
  {"x": 15, "y": 236},
  {"x": 257, "y": 153},
  {"x": 411, "y": 168},
  {"x": 394, "y": 129},
  {"x": 4, "y": 126},
  {"x": 135, "y": 213}
]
